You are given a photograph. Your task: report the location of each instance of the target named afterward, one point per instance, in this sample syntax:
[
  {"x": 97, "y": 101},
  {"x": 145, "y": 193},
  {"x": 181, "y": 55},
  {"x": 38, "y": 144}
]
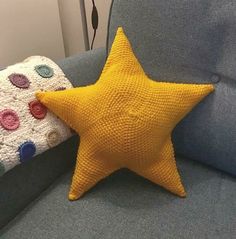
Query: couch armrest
[
  {"x": 85, "y": 68},
  {"x": 24, "y": 183}
]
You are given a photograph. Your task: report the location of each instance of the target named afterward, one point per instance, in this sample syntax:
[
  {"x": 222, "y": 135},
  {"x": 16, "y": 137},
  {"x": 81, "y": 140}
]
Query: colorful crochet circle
[
  {"x": 9, "y": 119},
  {"x": 37, "y": 109},
  {"x": 27, "y": 151},
  {"x": 53, "y": 138},
  {"x": 19, "y": 80},
  {"x": 44, "y": 71},
  {"x": 61, "y": 88}
]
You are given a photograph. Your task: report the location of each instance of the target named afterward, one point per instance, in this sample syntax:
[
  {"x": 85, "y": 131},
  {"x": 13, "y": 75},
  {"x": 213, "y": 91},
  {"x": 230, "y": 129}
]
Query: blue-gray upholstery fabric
[
  {"x": 125, "y": 205},
  {"x": 85, "y": 68},
  {"x": 189, "y": 41},
  {"x": 208, "y": 134},
  {"x": 25, "y": 182}
]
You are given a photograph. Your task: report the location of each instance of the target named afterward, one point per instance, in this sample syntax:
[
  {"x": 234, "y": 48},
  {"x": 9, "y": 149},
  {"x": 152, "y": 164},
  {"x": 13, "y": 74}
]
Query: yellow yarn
[{"x": 125, "y": 120}]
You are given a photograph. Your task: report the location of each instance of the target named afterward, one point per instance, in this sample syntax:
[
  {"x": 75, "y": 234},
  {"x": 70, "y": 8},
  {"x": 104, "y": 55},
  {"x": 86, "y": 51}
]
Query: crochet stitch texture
[
  {"x": 125, "y": 120},
  {"x": 27, "y": 128}
]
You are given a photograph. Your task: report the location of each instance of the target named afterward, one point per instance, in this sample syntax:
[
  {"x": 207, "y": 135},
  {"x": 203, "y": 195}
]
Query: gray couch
[{"x": 175, "y": 40}]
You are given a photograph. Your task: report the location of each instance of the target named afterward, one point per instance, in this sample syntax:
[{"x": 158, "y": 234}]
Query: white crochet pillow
[{"x": 27, "y": 128}]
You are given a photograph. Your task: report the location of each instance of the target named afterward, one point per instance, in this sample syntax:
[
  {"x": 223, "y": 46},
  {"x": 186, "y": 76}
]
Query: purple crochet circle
[
  {"x": 19, "y": 80},
  {"x": 60, "y": 88}
]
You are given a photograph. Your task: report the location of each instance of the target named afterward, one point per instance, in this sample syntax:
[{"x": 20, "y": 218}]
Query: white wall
[
  {"x": 29, "y": 27},
  {"x": 51, "y": 28},
  {"x": 71, "y": 26}
]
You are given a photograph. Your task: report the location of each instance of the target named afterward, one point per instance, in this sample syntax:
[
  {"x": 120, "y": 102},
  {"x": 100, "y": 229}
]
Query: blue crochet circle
[
  {"x": 44, "y": 71},
  {"x": 26, "y": 151},
  {"x": 2, "y": 169}
]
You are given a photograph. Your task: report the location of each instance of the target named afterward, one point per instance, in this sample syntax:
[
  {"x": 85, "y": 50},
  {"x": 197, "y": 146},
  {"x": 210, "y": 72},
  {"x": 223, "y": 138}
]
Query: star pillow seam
[{"x": 125, "y": 120}]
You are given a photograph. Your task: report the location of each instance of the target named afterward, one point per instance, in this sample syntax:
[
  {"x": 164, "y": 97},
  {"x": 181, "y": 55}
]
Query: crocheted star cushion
[
  {"x": 27, "y": 128},
  {"x": 125, "y": 120}
]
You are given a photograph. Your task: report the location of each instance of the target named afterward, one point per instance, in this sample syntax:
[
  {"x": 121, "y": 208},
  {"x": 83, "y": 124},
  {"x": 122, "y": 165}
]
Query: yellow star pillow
[{"x": 125, "y": 120}]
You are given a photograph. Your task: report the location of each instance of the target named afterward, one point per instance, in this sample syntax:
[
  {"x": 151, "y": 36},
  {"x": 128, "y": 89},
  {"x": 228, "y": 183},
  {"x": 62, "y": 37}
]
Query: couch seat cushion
[{"x": 125, "y": 205}]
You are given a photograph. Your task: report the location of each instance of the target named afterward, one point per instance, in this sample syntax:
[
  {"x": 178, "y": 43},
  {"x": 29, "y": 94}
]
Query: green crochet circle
[
  {"x": 2, "y": 169},
  {"x": 44, "y": 71}
]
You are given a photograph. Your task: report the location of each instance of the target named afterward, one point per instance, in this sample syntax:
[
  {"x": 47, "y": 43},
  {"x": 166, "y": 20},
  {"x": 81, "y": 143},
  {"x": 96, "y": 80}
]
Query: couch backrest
[
  {"x": 189, "y": 41},
  {"x": 167, "y": 35}
]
